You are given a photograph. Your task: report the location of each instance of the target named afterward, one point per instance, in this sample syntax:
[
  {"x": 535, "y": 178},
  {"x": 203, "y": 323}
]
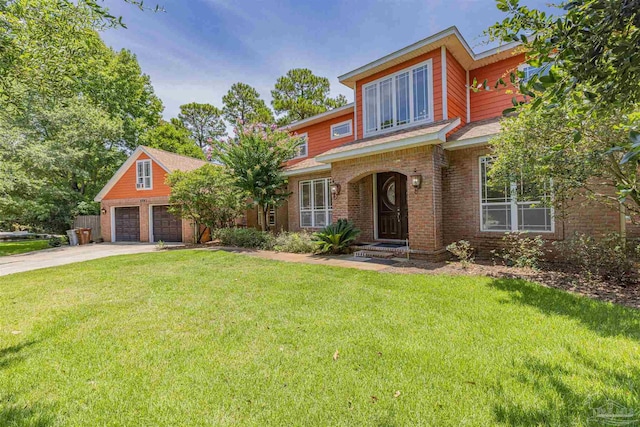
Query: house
[
  {"x": 407, "y": 160},
  {"x": 134, "y": 203}
]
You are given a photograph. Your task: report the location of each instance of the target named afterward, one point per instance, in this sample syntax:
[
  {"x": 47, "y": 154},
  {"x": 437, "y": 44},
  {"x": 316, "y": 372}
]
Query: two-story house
[{"x": 407, "y": 160}]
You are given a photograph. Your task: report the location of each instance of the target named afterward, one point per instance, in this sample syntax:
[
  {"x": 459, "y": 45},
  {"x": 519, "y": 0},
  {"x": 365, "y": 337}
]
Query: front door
[{"x": 392, "y": 206}]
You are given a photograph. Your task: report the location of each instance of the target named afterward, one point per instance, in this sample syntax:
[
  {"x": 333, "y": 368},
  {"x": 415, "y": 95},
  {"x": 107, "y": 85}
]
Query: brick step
[{"x": 373, "y": 254}]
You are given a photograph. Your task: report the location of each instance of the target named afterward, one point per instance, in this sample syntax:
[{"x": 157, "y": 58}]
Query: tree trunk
[{"x": 265, "y": 217}]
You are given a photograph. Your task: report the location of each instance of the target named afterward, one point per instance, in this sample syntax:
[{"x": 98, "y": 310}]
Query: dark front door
[
  {"x": 127, "y": 222},
  {"x": 392, "y": 206},
  {"x": 166, "y": 227}
]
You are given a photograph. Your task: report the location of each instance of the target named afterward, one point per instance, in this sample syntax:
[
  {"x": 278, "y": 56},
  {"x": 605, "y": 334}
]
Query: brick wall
[{"x": 293, "y": 204}]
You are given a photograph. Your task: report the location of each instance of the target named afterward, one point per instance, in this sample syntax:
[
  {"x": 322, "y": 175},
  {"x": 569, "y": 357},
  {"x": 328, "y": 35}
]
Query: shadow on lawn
[{"x": 605, "y": 319}]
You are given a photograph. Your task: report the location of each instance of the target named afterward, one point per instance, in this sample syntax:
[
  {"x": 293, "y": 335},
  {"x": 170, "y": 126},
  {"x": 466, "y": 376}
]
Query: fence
[{"x": 88, "y": 221}]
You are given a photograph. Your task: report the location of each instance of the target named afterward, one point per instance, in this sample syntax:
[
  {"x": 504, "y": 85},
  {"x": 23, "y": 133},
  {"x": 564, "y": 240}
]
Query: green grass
[
  {"x": 210, "y": 338},
  {"x": 22, "y": 246}
]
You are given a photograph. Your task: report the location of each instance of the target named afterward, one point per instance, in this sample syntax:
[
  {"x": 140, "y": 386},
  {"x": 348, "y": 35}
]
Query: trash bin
[
  {"x": 85, "y": 235},
  {"x": 73, "y": 237}
]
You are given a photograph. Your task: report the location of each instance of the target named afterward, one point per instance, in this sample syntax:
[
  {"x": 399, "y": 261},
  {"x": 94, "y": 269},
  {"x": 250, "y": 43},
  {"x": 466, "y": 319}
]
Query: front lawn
[
  {"x": 22, "y": 246},
  {"x": 211, "y": 338}
]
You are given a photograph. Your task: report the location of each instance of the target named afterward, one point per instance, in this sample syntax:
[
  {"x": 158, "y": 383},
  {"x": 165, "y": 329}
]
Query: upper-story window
[
  {"x": 530, "y": 71},
  {"x": 303, "y": 149},
  {"x": 143, "y": 175},
  {"x": 340, "y": 130},
  {"x": 399, "y": 99}
]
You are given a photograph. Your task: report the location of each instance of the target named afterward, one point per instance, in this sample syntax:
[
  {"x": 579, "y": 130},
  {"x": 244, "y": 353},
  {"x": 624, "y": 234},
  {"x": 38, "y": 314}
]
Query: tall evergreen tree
[
  {"x": 204, "y": 121},
  {"x": 242, "y": 104}
]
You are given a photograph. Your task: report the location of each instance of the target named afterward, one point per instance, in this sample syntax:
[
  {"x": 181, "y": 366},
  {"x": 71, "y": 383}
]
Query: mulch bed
[{"x": 552, "y": 276}]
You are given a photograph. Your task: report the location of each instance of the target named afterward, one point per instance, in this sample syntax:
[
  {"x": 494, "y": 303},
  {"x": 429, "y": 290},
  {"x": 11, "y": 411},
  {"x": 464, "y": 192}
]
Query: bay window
[
  {"x": 399, "y": 99},
  {"x": 505, "y": 208},
  {"x": 315, "y": 203}
]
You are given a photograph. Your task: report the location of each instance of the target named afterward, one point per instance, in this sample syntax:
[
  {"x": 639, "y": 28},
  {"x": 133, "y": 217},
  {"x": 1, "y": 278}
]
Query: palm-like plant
[{"x": 337, "y": 237}]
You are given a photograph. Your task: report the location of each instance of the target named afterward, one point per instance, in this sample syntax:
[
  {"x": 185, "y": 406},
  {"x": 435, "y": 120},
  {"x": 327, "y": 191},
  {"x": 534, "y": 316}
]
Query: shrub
[
  {"x": 463, "y": 250},
  {"x": 297, "y": 243},
  {"x": 520, "y": 250},
  {"x": 244, "y": 238},
  {"x": 57, "y": 241},
  {"x": 337, "y": 237},
  {"x": 611, "y": 256}
]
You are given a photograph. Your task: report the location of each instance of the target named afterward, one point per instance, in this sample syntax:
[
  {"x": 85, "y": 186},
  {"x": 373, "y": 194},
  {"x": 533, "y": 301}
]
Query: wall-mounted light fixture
[
  {"x": 103, "y": 211},
  {"x": 416, "y": 181},
  {"x": 335, "y": 189}
]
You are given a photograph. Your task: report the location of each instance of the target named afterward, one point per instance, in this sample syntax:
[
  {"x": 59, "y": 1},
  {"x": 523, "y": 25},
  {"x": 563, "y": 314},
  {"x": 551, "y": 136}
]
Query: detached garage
[{"x": 135, "y": 202}]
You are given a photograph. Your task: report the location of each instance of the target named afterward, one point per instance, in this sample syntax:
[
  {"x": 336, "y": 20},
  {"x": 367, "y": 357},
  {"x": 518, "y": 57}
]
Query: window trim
[
  {"x": 349, "y": 122},
  {"x": 143, "y": 161},
  {"x": 543, "y": 68},
  {"x": 514, "y": 205},
  {"x": 392, "y": 76},
  {"x": 306, "y": 146},
  {"x": 328, "y": 210},
  {"x": 272, "y": 212}
]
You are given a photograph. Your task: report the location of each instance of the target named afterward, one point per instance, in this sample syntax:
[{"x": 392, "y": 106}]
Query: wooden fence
[{"x": 88, "y": 221}]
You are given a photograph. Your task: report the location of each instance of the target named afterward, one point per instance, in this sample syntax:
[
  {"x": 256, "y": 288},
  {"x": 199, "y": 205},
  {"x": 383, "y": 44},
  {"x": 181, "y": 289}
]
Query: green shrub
[
  {"x": 297, "y": 243},
  {"x": 337, "y": 237},
  {"x": 611, "y": 256},
  {"x": 520, "y": 250},
  {"x": 463, "y": 250},
  {"x": 244, "y": 238},
  {"x": 57, "y": 241}
]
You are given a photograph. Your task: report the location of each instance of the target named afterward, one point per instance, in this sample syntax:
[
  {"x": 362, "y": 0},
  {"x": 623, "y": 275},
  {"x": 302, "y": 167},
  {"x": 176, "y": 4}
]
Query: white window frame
[
  {"x": 328, "y": 209},
  {"x": 346, "y": 122},
  {"x": 138, "y": 177},
  {"x": 272, "y": 217},
  {"x": 544, "y": 70},
  {"x": 305, "y": 145},
  {"x": 411, "y": 122},
  {"x": 514, "y": 205}
]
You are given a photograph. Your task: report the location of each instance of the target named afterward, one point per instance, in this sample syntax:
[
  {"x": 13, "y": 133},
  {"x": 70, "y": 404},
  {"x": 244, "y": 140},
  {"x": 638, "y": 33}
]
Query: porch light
[
  {"x": 416, "y": 181},
  {"x": 335, "y": 189},
  {"x": 103, "y": 211}
]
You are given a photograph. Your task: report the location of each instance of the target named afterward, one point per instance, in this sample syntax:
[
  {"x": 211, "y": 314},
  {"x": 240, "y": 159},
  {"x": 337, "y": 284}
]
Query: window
[
  {"x": 272, "y": 217},
  {"x": 340, "y": 130},
  {"x": 530, "y": 71},
  {"x": 303, "y": 148},
  {"x": 315, "y": 203},
  {"x": 143, "y": 175},
  {"x": 502, "y": 210},
  {"x": 400, "y": 99}
]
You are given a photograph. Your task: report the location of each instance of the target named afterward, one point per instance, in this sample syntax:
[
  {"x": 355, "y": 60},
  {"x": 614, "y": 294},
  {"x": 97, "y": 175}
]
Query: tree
[
  {"x": 206, "y": 196},
  {"x": 204, "y": 121},
  {"x": 300, "y": 94},
  {"x": 242, "y": 104},
  {"x": 173, "y": 137},
  {"x": 576, "y": 124},
  {"x": 256, "y": 158}
]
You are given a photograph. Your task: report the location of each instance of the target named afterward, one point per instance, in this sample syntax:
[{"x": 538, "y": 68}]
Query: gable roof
[{"x": 166, "y": 160}]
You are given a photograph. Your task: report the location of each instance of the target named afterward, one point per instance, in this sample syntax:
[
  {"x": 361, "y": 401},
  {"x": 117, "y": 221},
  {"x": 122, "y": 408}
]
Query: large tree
[
  {"x": 242, "y": 104},
  {"x": 256, "y": 158},
  {"x": 300, "y": 94},
  {"x": 204, "y": 121},
  {"x": 174, "y": 137},
  {"x": 577, "y": 125}
]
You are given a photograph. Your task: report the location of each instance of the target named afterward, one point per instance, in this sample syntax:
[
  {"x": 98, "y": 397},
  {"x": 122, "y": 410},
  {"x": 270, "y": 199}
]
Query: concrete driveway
[{"x": 67, "y": 255}]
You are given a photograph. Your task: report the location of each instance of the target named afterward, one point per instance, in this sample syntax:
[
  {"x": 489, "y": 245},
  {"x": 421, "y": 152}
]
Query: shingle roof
[
  {"x": 173, "y": 161},
  {"x": 308, "y": 165},
  {"x": 477, "y": 129}
]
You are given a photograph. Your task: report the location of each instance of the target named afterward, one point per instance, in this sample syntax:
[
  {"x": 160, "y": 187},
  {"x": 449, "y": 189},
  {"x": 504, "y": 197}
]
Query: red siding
[
  {"x": 125, "y": 188},
  {"x": 456, "y": 90},
  {"x": 319, "y": 137},
  {"x": 435, "y": 55},
  {"x": 488, "y": 104}
]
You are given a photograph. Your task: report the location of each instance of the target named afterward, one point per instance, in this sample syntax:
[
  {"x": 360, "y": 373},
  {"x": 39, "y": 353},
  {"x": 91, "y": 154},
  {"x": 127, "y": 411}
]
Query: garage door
[
  {"x": 166, "y": 227},
  {"x": 127, "y": 221}
]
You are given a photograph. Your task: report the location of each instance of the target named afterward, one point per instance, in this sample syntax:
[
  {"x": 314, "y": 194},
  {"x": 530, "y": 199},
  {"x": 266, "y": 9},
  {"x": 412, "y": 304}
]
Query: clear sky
[{"x": 196, "y": 49}]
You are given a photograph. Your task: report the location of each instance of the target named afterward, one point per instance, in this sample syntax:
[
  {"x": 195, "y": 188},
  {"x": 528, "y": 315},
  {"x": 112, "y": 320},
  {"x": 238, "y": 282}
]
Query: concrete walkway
[
  {"x": 347, "y": 261},
  {"x": 68, "y": 254}
]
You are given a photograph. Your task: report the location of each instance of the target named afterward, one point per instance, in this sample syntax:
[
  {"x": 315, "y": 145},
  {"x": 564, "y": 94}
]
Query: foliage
[
  {"x": 256, "y": 158},
  {"x": 174, "y": 137},
  {"x": 204, "y": 122},
  {"x": 57, "y": 241},
  {"x": 300, "y": 94},
  {"x": 519, "y": 250},
  {"x": 205, "y": 196},
  {"x": 160, "y": 245},
  {"x": 463, "y": 250},
  {"x": 592, "y": 84},
  {"x": 244, "y": 238},
  {"x": 337, "y": 237},
  {"x": 611, "y": 256},
  {"x": 242, "y": 105},
  {"x": 297, "y": 243}
]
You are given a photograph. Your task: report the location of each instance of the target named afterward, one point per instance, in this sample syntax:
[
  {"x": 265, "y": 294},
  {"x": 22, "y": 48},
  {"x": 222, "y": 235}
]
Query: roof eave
[
  {"x": 306, "y": 171},
  {"x": 336, "y": 112}
]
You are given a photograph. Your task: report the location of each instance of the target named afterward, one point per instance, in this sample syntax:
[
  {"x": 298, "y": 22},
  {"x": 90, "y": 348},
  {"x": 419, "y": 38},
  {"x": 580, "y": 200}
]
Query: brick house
[
  {"x": 406, "y": 161},
  {"x": 134, "y": 203}
]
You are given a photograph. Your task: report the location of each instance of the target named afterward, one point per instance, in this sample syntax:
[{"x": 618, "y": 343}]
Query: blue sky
[{"x": 196, "y": 49}]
